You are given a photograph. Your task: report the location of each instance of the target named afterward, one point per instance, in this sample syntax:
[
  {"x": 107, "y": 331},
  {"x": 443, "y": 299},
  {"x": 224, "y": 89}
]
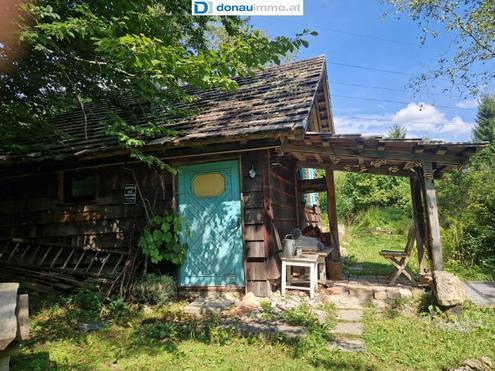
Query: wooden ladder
[{"x": 56, "y": 257}]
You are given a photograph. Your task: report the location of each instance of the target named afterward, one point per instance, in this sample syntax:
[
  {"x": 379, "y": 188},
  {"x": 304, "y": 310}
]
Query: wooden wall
[
  {"x": 269, "y": 214},
  {"x": 256, "y": 220},
  {"x": 31, "y": 208}
]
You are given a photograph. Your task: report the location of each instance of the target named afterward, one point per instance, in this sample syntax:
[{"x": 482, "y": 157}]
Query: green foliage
[
  {"x": 300, "y": 316},
  {"x": 116, "y": 310},
  {"x": 76, "y": 55},
  {"x": 167, "y": 339},
  {"x": 484, "y": 131},
  {"x": 160, "y": 239},
  {"x": 373, "y": 230},
  {"x": 154, "y": 289},
  {"x": 358, "y": 192},
  {"x": 468, "y": 66},
  {"x": 397, "y": 131},
  {"x": 382, "y": 220},
  {"x": 467, "y": 201}
]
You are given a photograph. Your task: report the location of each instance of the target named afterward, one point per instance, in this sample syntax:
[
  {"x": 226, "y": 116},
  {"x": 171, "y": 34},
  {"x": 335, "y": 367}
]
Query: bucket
[{"x": 289, "y": 246}]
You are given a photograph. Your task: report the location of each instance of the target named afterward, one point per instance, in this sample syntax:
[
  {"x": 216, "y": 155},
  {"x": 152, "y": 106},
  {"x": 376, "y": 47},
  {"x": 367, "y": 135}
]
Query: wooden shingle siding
[
  {"x": 31, "y": 208},
  {"x": 255, "y": 218},
  {"x": 283, "y": 208}
]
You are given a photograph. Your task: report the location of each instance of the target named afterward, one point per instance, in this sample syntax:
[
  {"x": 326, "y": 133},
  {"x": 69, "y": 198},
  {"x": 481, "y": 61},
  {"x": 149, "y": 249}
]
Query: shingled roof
[{"x": 276, "y": 100}]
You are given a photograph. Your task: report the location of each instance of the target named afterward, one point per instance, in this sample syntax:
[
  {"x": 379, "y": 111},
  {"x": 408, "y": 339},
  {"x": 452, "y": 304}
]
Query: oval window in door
[{"x": 208, "y": 185}]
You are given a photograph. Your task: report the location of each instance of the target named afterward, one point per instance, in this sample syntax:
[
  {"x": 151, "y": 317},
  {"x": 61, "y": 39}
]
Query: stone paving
[
  {"x": 349, "y": 328},
  {"x": 480, "y": 293},
  {"x": 348, "y": 297}
]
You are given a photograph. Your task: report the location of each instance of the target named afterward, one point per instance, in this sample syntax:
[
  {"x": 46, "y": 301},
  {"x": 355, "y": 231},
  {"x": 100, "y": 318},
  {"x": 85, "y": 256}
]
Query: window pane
[
  {"x": 80, "y": 186},
  {"x": 208, "y": 185}
]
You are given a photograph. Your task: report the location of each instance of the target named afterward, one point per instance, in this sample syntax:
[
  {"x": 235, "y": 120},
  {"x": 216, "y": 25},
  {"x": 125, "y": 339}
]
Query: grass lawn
[
  {"x": 159, "y": 339},
  {"x": 410, "y": 335},
  {"x": 386, "y": 229}
]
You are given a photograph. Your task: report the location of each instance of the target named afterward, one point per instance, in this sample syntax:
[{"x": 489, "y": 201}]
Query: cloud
[
  {"x": 469, "y": 103},
  {"x": 422, "y": 120}
]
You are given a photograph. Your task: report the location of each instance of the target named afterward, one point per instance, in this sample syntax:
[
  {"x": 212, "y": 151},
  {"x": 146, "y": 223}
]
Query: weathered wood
[
  {"x": 259, "y": 288},
  {"x": 332, "y": 212},
  {"x": 253, "y": 200},
  {"x": 313, "y": 185},
  {"x": 254, "y": 232},
  {"x": 255, "y": 249},
  {"x": 433, "y": 221},
  {"x": 253, "y": 216},
  {"x": 256, "y": 270},
  {"x": 372, "y": 154},
  {"x": 419, "y": 221}
]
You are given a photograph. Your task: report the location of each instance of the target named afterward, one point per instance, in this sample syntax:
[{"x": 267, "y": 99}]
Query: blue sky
[{"x": 354, "y": 32}]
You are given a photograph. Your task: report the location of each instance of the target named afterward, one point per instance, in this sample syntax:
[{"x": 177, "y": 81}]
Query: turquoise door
[{"x": 210, "y": 203}]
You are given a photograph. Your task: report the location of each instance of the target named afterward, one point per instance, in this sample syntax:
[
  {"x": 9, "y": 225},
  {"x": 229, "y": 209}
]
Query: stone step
[
  {"x": 347, "y": 345},
  {"x": 348, "y": 329},
  {"x": 350, "y": 315},
  {"x": 345, "y": 302},
  {"x": 207, "y": 306},
  {"x": 366, "y": 291},
  {"x": 265, "y": 328}
]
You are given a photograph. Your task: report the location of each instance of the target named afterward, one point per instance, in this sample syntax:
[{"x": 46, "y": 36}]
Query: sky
[{"x": 360, "y": 44}]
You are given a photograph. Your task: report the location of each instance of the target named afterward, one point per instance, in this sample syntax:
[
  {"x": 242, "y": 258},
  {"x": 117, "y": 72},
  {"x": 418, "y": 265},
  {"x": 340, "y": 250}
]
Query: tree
[
  {"x": 473, "y": 24},
  {"x": 68, "y": 55},
  {"x": 484, "y": 130},
  {"x": 397, "y": 131}
]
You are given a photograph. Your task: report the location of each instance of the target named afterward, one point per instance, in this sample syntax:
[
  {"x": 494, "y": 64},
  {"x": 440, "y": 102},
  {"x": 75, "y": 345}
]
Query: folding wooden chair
[{"x": 399, "y": 259}]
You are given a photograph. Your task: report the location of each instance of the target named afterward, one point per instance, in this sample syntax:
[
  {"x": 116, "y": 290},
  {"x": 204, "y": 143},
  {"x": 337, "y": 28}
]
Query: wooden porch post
[
  {"x": 432, "y": 217},
  {"x": 419, "y": 222},
  {"x": 332, "y": 212}
]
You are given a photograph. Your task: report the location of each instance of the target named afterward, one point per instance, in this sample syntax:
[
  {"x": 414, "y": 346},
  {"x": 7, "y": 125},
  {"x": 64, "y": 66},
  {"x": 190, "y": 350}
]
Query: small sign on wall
[{"x": 130, "y": 194}]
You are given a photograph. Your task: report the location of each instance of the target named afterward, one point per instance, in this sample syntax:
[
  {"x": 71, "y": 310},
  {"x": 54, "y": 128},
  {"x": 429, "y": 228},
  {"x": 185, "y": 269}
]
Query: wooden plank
[
  {"x": 255, "y": 249},
  {"x": 253, "y": 199},
  {"x": 419, "y": 221},
  {"x": 256, "y": 270},
  {"x": 312, "y": 185},
  {"x": 259, "y": 288},
  {"x": 433, "y": 221},
  {"x": 332, "y": 212},
  {"x": 372, "y": 154},
  {"x": 252, "y": 184},
  {"x": 253, "y": 216},
  {"x": 254, "y": 232}
]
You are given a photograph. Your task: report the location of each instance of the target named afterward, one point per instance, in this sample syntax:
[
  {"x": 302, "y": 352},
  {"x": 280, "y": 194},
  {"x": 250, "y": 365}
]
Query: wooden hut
[{"x": 237, "y": 188}]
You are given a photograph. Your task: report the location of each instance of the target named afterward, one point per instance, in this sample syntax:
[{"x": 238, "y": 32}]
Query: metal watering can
[{"x": 289, "y": 246}]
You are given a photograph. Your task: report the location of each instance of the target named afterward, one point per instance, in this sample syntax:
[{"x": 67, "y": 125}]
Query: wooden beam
[
  {"x": 373, "y": 154},
  {"x": 419, "y": 222},
  {"x": 332, "y": 212},
  {"x": 384, "y": 170},
  {"x": 432, "y": 217},
  {"x": 312, "y": 185}
]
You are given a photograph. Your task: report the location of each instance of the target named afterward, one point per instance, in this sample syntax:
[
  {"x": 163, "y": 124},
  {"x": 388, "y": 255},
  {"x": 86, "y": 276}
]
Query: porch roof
[{"x": 376, "y": 154}]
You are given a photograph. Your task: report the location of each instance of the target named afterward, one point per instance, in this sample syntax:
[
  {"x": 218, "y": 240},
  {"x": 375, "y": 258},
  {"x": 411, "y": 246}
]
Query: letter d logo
[{"x": 200, "y": 7}]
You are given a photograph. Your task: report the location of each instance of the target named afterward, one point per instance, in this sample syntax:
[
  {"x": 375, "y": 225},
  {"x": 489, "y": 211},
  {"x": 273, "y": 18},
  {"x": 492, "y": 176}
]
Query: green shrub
[
  {"x": 467, "y": 205},
  {"x": 154, "y": 289},
  {"x": 88, "y": 298},
  {"x": 383, "y": 219},
  {"x": 357, "y": 192},
  {"x": 116, "y": 309},
  {"x": 300, "y": 316}
]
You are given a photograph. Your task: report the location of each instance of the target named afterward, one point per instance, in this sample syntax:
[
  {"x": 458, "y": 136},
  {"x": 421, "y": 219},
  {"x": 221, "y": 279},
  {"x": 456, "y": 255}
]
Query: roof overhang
[{"x": 377, "y": 155}]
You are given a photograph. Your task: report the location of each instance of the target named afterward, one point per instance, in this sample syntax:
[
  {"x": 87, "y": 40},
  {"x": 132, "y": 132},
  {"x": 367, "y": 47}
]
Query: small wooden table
[
  {"x": 306, "y": 261},
  {"x": 309, "y": 260}
]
